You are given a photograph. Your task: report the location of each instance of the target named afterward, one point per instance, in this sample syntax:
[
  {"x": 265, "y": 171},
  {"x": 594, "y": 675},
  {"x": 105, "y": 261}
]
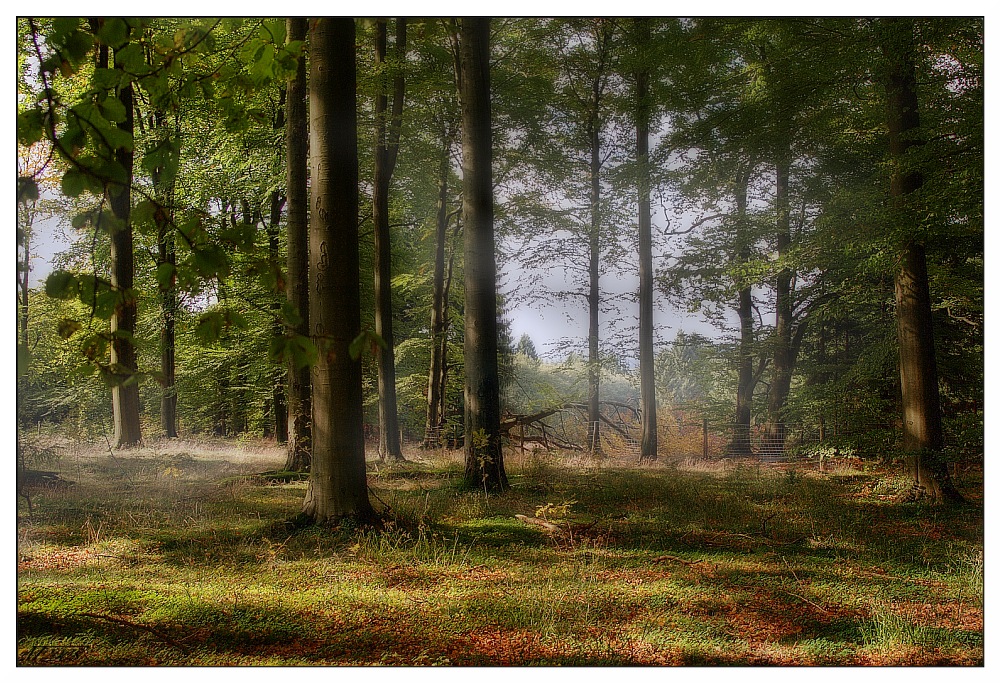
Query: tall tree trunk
[
  {"x": 647, "y": 390},
  {"x": 783, "y": 357},
  {"x": 125, "y": 392},
  {"x": 22, "y": 282},
  {"x": 386, "y": 149},
  {"x": 297, "y": 226},
  {"x": 602, "y": 36},
  {"x": 922, "y": 434},
  {"x": 740, "y": 445},
  {"x": 446, "y": 322},
  {"x": 338, "y": 485},
  {"x": 594, "y": 294},
  {"x": 483, "y": 448},
  {"x": 278, "y": 401},
  {"x": 163, "y": 192},
  {"x": 432, "y": 435},
  {"x": 166, "y": 255}
]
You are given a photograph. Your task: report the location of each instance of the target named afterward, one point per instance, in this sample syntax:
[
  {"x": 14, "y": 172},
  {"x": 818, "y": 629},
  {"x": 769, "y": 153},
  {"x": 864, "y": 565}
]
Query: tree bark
[
  {"x": 922, "y": 433},
  {"x": 484, "y": 466},
  {"x": 338, "y": 486},
  {"x": 647, "y": 390},
  {"x": 386, "y": 149},
  {"x": 278, "y": 400},
  {"x": 740, "y": 445},
  {"x": 602, "y": 36},
  {"x": 297, "y": 264},
  {"x": 125, "y": 392},
  {"x": 783, "y": 358},
  {"x": 446, "y": 322},
  {"x": 432, "y": 435},
  {"x": 166, "y": 254},
  {"x": 22, "y": 281},
  {"x": 594, "y": 291}
]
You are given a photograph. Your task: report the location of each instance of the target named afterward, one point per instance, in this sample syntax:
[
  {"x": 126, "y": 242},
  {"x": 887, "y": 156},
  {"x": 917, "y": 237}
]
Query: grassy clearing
[{"x": 176, "y": 554}]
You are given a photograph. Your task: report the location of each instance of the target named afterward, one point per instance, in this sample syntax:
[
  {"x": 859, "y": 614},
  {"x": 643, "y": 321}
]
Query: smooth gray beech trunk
[
  {"x": 484, "y": 468},
  {"x": 338, "y": 485},
  {"x": 297, "y": 258}
]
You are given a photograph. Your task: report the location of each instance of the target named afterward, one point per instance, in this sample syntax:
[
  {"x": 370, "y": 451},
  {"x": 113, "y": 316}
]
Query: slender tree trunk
[
  {"x": 22, "y": 281},
  {"x": 432, "y": 435},
  {"x": 740, "y": 445},
  {"x": 125, "y": 392},
  {"x": 594, "y": 295},
  {"x": 783, "y": 355},
  {"x": 167, "y": 255},
  {"x": 273, "y": 249},
  {"x": 446, "y": 322},
  {"x": 483, "y": 449},
  {"x": 338, "y": 485},
  {"x": 297, "y": 225},
  {"x": 647, "y": 387},
  {"x": 386, "y": 149},
  {"x": 922, "y": 433}
]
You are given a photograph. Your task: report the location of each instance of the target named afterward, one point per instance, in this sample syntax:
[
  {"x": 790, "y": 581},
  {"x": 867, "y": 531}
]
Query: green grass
[{"x": 168, "y": 556}]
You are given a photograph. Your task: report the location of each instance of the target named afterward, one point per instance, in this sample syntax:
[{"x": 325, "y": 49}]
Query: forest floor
[{"x": 176, "y": 554}]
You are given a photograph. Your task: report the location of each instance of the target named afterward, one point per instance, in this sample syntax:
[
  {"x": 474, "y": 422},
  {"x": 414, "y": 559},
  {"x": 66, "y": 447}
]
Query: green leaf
[
  {"x": 236, "y": 319},
  {"x": 107, "y": 79},
  {"x": 290, "y": 315},
  {"x": 105, "y": 303},
  {"x": 130, "y": 59},
  {"x": 162, "y": 158},
  {"x": 73, "y": 183},
  {"x": 273, "y": 30},
  {"x": 114, "y": 32},
  {"x": 30, "y": 126},
  {"x": 143, "y": 213},
  {"x": 210, "y": 261},
  {"x": 165, "y": 275},
  {"x": 124, "y": 334},
  {"x": 277, "y": 349},
  {"x": 94, "y": 346},
  {"x": 303, "y": 352},
  {"x": 366, "y": 338},
  {"x": 67, "y": 328},
  {"x": 77, "y": 45},
  {"x": 263, "y": 66},
  {"x": 209, "y": 327},
  {"x": 357, "y": 346},
  {"x": 113, "y": 109},
  {"x": 61, "y": 284},
  {"x": 61, "y": 28}
]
